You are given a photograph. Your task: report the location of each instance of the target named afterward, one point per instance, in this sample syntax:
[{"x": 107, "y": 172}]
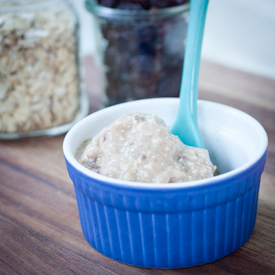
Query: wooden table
[{"x": 39, "y": 226}]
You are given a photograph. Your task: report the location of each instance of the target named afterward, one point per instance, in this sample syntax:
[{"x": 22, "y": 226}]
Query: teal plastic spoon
[{"x": 186, "y": 124}]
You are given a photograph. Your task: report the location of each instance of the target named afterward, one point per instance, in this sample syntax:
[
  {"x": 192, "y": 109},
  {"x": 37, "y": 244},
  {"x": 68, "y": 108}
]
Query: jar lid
[{"x": 113, "y": 13}]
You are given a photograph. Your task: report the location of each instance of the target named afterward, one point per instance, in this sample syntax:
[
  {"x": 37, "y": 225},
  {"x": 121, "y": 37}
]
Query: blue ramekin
[{"x": 170, "y": 225}]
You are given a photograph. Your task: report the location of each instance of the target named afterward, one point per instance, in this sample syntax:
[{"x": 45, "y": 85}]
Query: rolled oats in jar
[{"x": 40, "y": 87}]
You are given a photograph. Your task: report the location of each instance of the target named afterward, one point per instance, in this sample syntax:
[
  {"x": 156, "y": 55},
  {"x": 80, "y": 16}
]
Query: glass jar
[
  {"x": 40, "y": 77},
  {"x": 139, "y": 52}
]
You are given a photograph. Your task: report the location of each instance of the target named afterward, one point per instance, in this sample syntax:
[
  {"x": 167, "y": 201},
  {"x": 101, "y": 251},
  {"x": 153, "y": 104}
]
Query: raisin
[
  {"x": 129, "y": 6},
  {"x": 108, "y": 3}
]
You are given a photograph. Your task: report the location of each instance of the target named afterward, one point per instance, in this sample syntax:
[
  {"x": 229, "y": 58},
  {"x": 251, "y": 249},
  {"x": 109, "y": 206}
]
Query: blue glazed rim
[
  {"x": 227, "y": 188},
  {"x": 122, "y": 184}
]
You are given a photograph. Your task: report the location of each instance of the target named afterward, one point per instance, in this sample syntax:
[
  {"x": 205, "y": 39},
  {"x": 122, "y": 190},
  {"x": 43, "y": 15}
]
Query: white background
[{"x": 238, "y": 33}]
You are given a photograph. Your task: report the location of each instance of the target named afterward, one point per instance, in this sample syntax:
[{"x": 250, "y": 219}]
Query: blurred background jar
[
  {"x": 139, "y": 47},
  {"x": 40, "y": 75}
]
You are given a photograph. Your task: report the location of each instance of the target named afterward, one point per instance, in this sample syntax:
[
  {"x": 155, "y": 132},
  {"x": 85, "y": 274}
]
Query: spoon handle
[{"x": 187, "y": 111}]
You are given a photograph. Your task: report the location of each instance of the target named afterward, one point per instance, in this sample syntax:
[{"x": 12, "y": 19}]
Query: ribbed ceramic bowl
[{"x": 179, "y": 224}]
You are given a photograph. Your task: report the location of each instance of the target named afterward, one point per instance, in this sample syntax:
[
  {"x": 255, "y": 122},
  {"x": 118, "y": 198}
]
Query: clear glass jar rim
[{"x": 112, "y": 13}]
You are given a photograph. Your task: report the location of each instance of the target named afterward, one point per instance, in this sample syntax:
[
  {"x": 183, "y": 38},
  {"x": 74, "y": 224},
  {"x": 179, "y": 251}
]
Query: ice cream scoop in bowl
[
  {"x": 173, "y": 225},
  {"x": 186, "y": 125}
]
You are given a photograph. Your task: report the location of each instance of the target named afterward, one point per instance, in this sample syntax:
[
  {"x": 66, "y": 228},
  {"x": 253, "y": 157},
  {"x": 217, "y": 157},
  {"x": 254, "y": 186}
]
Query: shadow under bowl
[{"x": 180, "y": 224}]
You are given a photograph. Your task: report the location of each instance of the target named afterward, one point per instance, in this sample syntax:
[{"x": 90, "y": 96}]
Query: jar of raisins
[
  {"x": 40, "y": 74},
  {"x": 139, "y": 47}
]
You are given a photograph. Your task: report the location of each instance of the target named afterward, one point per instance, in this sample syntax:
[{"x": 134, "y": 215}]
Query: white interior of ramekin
[{"x": 234, "y": 139}]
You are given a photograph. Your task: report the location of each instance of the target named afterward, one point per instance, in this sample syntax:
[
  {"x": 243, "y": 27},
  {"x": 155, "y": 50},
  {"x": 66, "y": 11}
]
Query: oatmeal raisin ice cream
[{"x": 138, "y": 147}]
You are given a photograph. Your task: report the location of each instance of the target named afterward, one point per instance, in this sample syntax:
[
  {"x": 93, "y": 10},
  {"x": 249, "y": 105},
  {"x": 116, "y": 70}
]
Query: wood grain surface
[{"x": 39, "y": 226}]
